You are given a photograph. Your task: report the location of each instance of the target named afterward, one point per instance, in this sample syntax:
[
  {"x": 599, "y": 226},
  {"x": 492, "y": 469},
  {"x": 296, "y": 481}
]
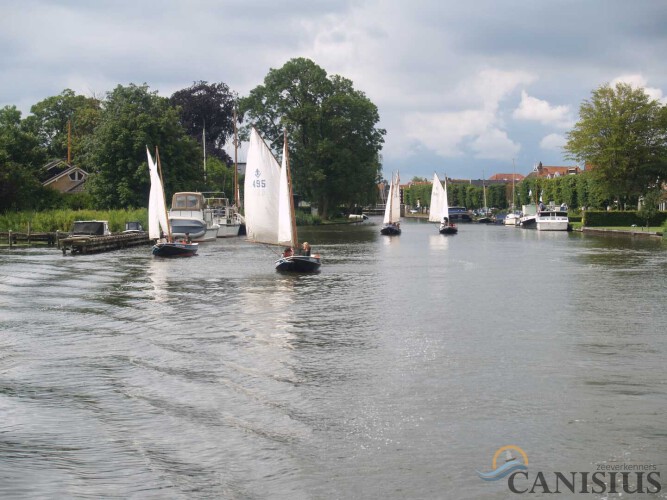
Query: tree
[
  {"x": 621, "y": 134},
  {"x": 649, "y": 208},
  {"x": 210, "y": 108},
  {"x": 20, "y": 159},
  {"x": 132, "y": 119},
  {"x": 333, "y": 140},
  {"x": 50, "y": 117}
]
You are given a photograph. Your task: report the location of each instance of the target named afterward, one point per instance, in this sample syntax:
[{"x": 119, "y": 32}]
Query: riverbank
[{"x": 632, "y": 232}]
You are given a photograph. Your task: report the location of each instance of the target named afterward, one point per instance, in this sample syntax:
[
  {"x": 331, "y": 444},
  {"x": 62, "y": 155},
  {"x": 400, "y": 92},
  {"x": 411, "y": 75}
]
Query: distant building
[
  {"x": 549, "y": 172},
  {"x": 63, "y": 177},
  {"x": 507, "y": 177}
]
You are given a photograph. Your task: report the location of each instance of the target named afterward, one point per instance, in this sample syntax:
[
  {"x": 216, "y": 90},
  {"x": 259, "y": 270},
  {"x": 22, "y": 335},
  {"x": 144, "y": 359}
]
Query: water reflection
[{"x": 438, "y": 241}]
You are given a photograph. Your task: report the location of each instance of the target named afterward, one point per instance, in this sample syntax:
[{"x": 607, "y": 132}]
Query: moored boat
[
  {"x": 552, "y": 220},
  {"x": 226, "y": 216},
  {"x": 189, "y": 217}
]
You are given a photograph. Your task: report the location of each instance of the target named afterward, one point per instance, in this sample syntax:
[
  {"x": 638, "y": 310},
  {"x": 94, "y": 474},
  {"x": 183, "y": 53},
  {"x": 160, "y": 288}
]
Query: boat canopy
[{"x": 187, "y": 201}]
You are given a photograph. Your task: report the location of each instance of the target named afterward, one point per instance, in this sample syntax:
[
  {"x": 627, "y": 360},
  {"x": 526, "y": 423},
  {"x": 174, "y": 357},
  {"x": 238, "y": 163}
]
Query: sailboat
[
  {"x": 446, "y": 226},
  {"x": 158, "y": 224},
  {"x": 392, "y": 210},
  {"x": 269, "y": 207}
]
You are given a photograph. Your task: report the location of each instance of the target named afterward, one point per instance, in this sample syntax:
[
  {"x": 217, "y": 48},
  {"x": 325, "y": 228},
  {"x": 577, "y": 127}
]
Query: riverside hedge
[{"x": 617, "y": 219}]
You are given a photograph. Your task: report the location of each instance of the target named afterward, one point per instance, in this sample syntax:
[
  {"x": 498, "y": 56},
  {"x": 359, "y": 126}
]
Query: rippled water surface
[{"x": 396, "y": 372}]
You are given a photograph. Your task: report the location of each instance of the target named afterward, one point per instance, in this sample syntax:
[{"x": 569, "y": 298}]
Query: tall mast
[
  {"x": 295, "y": 238},
  {"x": 69, "y": 142},
  {"x": 484, "y": 190},
  {"x": 164, "y": 196},
  {"x": 513, "y": 180},
  {"x": 237, "y": 201},
  {"x": 203, "y": 142}
]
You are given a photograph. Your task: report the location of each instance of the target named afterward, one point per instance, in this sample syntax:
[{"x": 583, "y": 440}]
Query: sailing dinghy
[
  {"x": 269, "y": 207},
  {"x": 439, "y": 211},
  {"x": 158, "y": 224},
  {"x": 392, "y": 210}
]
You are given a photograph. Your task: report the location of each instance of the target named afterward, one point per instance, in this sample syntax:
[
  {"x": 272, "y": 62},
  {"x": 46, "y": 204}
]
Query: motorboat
[
  {"x": 552, "y": 220},
  {"x": 190, "y": 217},
  {"x": 226, "y": 216}
]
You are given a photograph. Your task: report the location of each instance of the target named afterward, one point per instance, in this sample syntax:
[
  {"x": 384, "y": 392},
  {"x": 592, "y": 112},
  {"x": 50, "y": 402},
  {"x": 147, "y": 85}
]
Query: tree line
[
  {"x": 620, "y": 138},
  {"x": 335, "y": 144},
  {"x": 332, "y": 129}
]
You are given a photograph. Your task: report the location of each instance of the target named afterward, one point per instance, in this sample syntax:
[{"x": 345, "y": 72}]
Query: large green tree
[
  {"x": 207, "y": 108},
  {"x": 49, "y": 122},
  {"x": 131, "y": 119},
  {"x": 21, "y": 156},
  {"x": 332, "y": 128},
  {"x": 621, "y": 134}
]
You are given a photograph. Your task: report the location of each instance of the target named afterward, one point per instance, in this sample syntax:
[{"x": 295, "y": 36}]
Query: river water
[{"x": 396, "y": 372}]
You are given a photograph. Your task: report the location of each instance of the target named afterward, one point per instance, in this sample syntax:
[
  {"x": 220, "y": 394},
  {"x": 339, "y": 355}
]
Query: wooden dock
[
  {"x": 94, "y": 244},
  {"x": 13, "y": 238}
]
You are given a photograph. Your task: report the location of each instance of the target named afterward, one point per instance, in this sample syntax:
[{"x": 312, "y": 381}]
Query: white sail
[
  {"x": 392, "y": 210},
  {"x": 445, "y": 203},
  {"x": 438, "y": 201},
  {"x": 396, "y": 201},
  {"x": 157, "y": 212},
  {"x": 261, "y": 192},
  {"x": 285, "y": 236},
  {"x": 390, "y": 198}
]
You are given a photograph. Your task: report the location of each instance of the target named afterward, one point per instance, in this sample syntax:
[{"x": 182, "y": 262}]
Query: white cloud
[
  {"x": 534, "y": 109},
  {"x": 553, "y": 142},
  {"x": 477, "y": 128},
  {"x": 638, "y": 81},
  {"x": 494, "y": 144}
]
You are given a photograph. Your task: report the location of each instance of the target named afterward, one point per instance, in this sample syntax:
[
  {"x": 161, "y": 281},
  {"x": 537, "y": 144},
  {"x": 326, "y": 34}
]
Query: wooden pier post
[{"x": 10, "y": 238}]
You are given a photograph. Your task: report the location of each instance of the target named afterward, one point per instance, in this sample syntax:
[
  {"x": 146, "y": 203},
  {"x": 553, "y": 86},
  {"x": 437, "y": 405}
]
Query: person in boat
[
  {"x": 187, "y": 238},
  {"x": 445, "y": 222},
  {"x": 288, "y": 252},
  {"x": 305, "y": 248}
]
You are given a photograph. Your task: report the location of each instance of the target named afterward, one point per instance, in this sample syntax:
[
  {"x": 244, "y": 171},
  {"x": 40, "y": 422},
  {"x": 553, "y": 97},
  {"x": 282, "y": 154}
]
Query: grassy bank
[{"x": 62, "y": 220}]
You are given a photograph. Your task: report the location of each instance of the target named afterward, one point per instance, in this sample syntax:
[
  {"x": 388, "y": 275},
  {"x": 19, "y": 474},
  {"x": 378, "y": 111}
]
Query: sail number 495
[{"x": 259, "y": 183}]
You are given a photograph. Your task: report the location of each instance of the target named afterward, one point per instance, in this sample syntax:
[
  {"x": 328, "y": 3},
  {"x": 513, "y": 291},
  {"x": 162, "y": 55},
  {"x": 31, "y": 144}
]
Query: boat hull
[
  {"x": 552, "y": 220},
  {"x": 390, "y": 230},
  {"x": 299, "y": 264},
  {"x": 552, "y": 225},
  {"x": 512, "y": 220},
  {"x": 228, "y": 230},
  {"x": 528, "y": 222},
  {"x": 175, "y": 249},
  {"x": 448, "y": 230}
]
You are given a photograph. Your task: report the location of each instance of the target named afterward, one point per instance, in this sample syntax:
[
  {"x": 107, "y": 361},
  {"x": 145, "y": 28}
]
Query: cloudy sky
[{"x": 463, "y": 87}]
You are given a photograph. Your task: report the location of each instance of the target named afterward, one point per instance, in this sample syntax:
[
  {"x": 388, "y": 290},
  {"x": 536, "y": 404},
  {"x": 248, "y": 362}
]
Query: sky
[{"x": 463, "y": 88}]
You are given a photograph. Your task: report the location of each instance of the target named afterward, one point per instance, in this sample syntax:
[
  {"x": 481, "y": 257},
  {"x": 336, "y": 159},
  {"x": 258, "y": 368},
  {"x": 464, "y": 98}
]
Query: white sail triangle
[
  {"x": 157, "y": 208},
  {"x": 285, "y": 236},
  {"x": 438, "y": 203},
  {"x": 267, "y": 214}
]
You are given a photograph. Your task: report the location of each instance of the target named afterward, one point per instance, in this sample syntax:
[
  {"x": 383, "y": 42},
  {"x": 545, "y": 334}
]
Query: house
[
  {"x": 63, "y": 177},
  {"x": 506, "y": 178},
  {"x": 553, "y": 172}
]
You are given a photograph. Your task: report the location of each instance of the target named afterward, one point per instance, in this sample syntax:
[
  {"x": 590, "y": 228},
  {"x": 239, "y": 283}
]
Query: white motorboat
[
  {"x": 226, "y": 216},
  {"x": 552, "y": 220},
  {"x": 189, "y": 217}
]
